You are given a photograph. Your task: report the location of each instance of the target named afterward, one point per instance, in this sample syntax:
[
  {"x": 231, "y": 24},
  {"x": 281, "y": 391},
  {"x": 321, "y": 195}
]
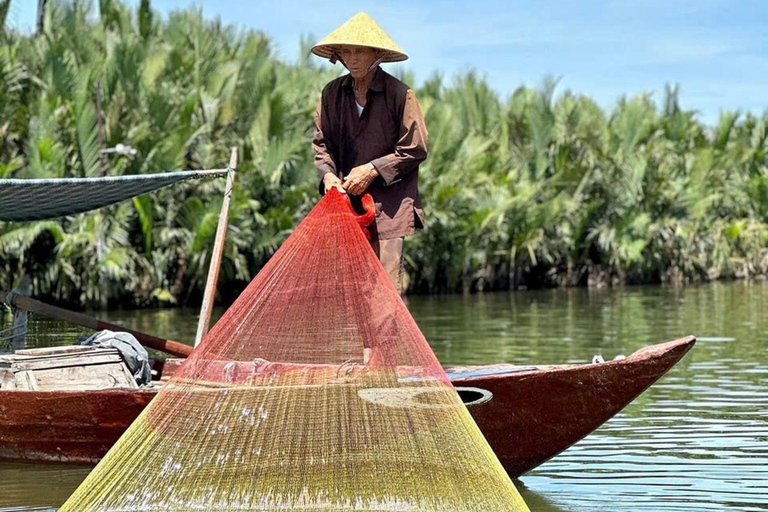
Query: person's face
[{"x": 358, "y": 59}]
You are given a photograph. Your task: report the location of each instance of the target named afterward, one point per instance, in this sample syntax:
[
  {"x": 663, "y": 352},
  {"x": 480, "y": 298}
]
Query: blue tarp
[{"x": 41, "y": 199}]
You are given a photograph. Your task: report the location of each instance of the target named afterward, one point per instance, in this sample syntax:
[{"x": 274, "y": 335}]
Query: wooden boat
[{"x": 528, "y": 414}]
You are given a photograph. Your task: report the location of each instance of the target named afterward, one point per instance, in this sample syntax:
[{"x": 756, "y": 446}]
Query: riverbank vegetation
[{"x": 542, "y": 188}]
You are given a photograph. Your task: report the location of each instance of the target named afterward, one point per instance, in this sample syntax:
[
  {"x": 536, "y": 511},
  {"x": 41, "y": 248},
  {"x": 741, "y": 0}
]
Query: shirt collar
[{"x": 377, "y": 84}]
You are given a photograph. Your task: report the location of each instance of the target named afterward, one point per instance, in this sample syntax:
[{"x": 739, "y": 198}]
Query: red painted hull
[
  {"x": 538, "y": 414},
  {"x": 534, "y": 414}
]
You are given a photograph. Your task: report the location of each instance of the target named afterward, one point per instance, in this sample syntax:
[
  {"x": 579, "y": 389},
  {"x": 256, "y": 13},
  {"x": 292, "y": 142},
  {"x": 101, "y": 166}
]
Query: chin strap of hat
[
  {"x": 375, "y": 64},
  {"x": 335, "y": 57}
]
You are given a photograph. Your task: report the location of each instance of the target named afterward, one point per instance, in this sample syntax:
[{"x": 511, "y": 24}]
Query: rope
[
  {"x": 20, "y": 325},
  {"x": 10, "y": 298}
]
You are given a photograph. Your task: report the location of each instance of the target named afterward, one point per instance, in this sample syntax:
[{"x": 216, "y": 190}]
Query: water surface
[{"x": 697, "y": 441}]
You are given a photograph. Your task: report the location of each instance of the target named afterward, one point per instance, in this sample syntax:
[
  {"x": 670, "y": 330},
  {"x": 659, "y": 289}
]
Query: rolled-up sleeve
[
  {"x": 411, "y": 148},
  {"x": 323, "y": 159}
]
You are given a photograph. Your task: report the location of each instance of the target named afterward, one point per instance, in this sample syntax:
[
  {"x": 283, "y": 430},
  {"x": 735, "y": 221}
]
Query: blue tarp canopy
[{"x": 40, "y": 199}]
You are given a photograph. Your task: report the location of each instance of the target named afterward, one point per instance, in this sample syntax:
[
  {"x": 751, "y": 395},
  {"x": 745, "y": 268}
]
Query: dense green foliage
[{"x": 535, "y": 190}]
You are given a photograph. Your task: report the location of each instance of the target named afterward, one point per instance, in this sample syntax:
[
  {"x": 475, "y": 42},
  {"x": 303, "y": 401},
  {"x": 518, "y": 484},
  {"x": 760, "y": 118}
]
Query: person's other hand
[
  {"x": 360, "y": 178},
  {"x": 330, "y": 181}
]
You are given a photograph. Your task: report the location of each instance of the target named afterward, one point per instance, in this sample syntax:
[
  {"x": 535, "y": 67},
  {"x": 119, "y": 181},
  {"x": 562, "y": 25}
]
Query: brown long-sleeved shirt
[{"x": 390, "y": 134}]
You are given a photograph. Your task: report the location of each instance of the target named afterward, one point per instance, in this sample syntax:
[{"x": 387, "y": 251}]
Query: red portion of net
[{"x": 340, "y": 308}]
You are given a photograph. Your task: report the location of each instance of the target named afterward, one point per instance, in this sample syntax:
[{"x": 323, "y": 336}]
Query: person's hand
[
  {"x": 330, "y": 181},
  {"x": 360, "y": 178}
]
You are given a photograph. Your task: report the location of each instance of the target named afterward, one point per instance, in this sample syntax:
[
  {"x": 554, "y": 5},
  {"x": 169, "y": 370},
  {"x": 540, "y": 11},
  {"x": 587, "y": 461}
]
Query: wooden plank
[
  {"x": 96, "y": 352},
  {"x": 94, "y": 355},
  {"x": 7, "y": 379},
  {"x": 87, "y": 368},
  {"x": 54, "y": 354},
  {"x": 53, "y": 350},
  {"x": 26, "y": 381},
  {"x": 64, "y": 363},
  {"x": 93, "y": 352},
  {"x": 129, "y": 377},
  {"x": 91, "y": 377}
]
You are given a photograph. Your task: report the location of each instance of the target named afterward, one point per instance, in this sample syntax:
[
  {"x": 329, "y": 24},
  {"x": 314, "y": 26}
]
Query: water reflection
[
  {"x": 694, "y": 442},
  {"x": 537, "y": 501}
]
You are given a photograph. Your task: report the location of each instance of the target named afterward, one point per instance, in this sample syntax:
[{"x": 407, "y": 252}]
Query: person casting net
[
  {"x": 316, "y": 391},
  {"x": 371, "y": 136}
]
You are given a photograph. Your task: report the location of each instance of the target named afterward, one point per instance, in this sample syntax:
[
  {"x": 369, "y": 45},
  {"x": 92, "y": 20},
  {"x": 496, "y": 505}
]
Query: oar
[{"x": 168, "y": 346}]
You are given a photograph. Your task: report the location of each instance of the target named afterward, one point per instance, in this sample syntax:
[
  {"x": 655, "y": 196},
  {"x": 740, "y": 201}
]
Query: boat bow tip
[{"x": 677, "y": 348}]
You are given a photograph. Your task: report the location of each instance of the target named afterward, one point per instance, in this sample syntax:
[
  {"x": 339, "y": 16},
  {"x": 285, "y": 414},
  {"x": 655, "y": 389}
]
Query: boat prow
[{"x": 529, "y": 415}]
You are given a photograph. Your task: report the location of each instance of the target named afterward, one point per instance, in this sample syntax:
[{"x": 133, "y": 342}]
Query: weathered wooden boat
[{"x": 528, "y": 414}]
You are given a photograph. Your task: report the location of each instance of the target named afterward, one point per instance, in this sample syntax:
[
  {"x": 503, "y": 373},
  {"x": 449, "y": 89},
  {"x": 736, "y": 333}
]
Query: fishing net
[{"x": 316, "y": 391}]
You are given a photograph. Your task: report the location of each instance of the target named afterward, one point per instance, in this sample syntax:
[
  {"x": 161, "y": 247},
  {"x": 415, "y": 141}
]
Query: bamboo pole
[
  {"x": 171, "y": 347},
  {"x": 218, "y": 251}
]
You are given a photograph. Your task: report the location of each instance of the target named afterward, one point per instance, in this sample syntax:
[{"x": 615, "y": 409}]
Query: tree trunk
[{"x": 41, "y": 4}]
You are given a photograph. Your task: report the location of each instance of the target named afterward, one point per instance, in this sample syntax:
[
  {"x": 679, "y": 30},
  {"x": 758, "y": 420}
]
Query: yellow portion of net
[
  {"x": 315, "y": 392},
  {"x": 369, "y": 442}
]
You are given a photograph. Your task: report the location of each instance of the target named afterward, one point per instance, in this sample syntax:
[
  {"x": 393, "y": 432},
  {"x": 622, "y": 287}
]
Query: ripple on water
[{"x": 695, "y": 442}]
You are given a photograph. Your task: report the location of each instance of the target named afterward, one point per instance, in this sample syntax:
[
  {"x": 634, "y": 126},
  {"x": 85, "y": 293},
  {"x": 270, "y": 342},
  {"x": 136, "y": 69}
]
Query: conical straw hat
[{"x": 360, "y": 30}]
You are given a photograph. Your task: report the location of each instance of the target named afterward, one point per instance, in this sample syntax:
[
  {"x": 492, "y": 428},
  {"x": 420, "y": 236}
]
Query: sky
[{"x": 716, "y": 50}]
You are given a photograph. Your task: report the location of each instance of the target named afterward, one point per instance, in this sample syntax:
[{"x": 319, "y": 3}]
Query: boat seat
[{"x": 71, "y": 368}]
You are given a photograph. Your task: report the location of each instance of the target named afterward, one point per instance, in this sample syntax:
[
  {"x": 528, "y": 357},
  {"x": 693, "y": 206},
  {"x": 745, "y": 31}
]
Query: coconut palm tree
[{"x": 541, "y": 188}]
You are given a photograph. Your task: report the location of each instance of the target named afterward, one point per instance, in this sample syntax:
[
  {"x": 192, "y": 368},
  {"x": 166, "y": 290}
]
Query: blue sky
[{"x": 717, "y": 50}]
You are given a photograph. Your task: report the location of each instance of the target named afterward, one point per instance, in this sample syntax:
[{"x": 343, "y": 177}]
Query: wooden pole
[
  {"x": 100, "y": 118},
  {"x": 171, "y": 347},
  {"x": 218, "y": 252},
  {"x": 102, "y": 243}
]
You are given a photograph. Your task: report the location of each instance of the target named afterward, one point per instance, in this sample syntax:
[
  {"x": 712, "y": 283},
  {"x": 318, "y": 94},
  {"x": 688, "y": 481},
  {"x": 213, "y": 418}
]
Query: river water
[{"x": 696, "y": 441}]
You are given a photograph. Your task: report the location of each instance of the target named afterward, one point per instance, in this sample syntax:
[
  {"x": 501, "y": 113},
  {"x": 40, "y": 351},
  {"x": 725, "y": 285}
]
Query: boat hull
[{"x": 528, "y": 415}]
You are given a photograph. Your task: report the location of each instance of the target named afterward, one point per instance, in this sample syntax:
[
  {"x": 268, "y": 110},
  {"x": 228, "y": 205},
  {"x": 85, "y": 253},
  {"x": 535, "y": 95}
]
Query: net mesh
[
  {"x": 316, "y": 391},
  {"x": 40, "y": 199}
]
